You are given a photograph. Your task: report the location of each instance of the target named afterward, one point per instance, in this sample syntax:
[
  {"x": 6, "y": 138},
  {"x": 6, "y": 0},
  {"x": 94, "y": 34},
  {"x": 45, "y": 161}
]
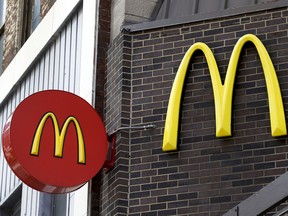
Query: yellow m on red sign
[
  {"x": 59, "y": 137},
  {"x": 223, "y": 92}
]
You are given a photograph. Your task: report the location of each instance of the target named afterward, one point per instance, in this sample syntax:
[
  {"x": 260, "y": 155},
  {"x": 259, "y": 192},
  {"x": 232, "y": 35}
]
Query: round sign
[{"x": 55, "y": 141}]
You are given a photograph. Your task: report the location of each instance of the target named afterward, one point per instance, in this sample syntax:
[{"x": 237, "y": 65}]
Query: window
[
  {"x": 12, "y": 204},
  {"x": 36, "y": 14},
  {"x": 16, "y": 210},
  {"x": 52, "y": 204},
  {"x": 2, "y": 12},
  {"x": 2, "y": 24},
  {"x": 59, "y": 204},
  {"x": 31, "y": 18}
]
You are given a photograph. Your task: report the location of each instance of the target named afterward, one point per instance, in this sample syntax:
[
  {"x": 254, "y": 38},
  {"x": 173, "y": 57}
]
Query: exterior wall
[
  {"x": 12, "y": 31},
  {"x": 103, "y": 29},
  {"x": 130, "y": 11},
  {"x": 51, "y": 58},
  {"x": 207, "y": 175},
  {"x": 45, "y": 6},
  {"x": 58, "y": 68},
  {"x": 115, "y": 184}
]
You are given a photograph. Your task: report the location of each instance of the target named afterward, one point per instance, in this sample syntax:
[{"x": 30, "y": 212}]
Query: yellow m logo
[
  {"x": 223, "y": 92},
  {"x": 59, "y": 136}
]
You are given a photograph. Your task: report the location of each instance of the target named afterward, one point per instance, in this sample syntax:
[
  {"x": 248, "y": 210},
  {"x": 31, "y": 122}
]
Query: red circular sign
[{"x": 55, "y": 141}]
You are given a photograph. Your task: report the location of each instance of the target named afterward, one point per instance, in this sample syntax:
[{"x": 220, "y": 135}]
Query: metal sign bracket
[{"x": 111, "y": 137}]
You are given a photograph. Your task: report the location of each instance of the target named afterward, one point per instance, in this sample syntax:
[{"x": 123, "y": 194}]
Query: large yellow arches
[{"x": 223, "y": 92}]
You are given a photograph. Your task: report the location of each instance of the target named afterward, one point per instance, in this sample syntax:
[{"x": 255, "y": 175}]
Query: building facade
[
  {"x": 123, "y": 56},
  {"x": 206, "y": 175},
  {"x": 46, "y": 45}
]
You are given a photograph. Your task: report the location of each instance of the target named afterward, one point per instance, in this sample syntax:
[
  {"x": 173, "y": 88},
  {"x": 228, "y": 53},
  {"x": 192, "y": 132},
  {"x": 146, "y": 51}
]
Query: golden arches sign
[
  {"x": 223, "y": 92},
  {"x": 59, "y": 137}
]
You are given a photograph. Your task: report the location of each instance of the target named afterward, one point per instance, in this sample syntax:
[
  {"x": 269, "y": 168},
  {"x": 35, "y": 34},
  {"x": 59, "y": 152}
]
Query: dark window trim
[
  {"x": 204, "y": 16},
  {"x": 2, "y": 29}
]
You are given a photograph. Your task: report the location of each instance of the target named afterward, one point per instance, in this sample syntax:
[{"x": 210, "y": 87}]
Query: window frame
[{"x": 2, "y": 28}]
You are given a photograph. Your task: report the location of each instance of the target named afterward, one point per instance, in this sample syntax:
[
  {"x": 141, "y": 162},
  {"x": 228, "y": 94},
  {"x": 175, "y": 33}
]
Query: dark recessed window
[
  {"x": 31, "y": 18},
  {"x": 12, "y": 204}
]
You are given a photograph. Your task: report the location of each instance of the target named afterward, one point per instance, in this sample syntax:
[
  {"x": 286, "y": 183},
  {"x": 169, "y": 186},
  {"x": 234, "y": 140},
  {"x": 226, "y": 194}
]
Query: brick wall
[
  {"x": 11, "y": 32},
  {"x": 103, "y": 30},
  {"x": 115, "y": 184},
  {"x": 45, "y": 6},
  {"x": 206, "y": 175}
]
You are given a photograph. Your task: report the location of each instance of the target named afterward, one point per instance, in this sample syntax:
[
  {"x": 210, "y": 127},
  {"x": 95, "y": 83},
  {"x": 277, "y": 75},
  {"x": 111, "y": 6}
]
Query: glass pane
[
  {"x": 1, "y": 52},
  {"x": 60, "y": 201},
  {"x": 36, "y": 14},
  {"x": 16, "y": 209},
  {"x": 2, "y": 11}
]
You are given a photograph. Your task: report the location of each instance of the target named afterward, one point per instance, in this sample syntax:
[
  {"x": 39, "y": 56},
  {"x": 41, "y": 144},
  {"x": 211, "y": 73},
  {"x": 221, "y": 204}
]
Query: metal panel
[
  {"x": 178, "y": 8},
  {"x": 57, "y": 68},
  {"x": 262, "y": 200},
  {"x": 206, "y": 6},
  {"x": 76, "y": 87},
  {"x": 181, "y": 12},
  {"x": 236, "y": 3}
]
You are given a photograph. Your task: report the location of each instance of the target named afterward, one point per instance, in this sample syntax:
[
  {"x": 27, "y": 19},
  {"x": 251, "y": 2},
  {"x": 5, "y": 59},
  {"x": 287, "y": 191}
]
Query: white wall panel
[{"x": 79, "y": 54}]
